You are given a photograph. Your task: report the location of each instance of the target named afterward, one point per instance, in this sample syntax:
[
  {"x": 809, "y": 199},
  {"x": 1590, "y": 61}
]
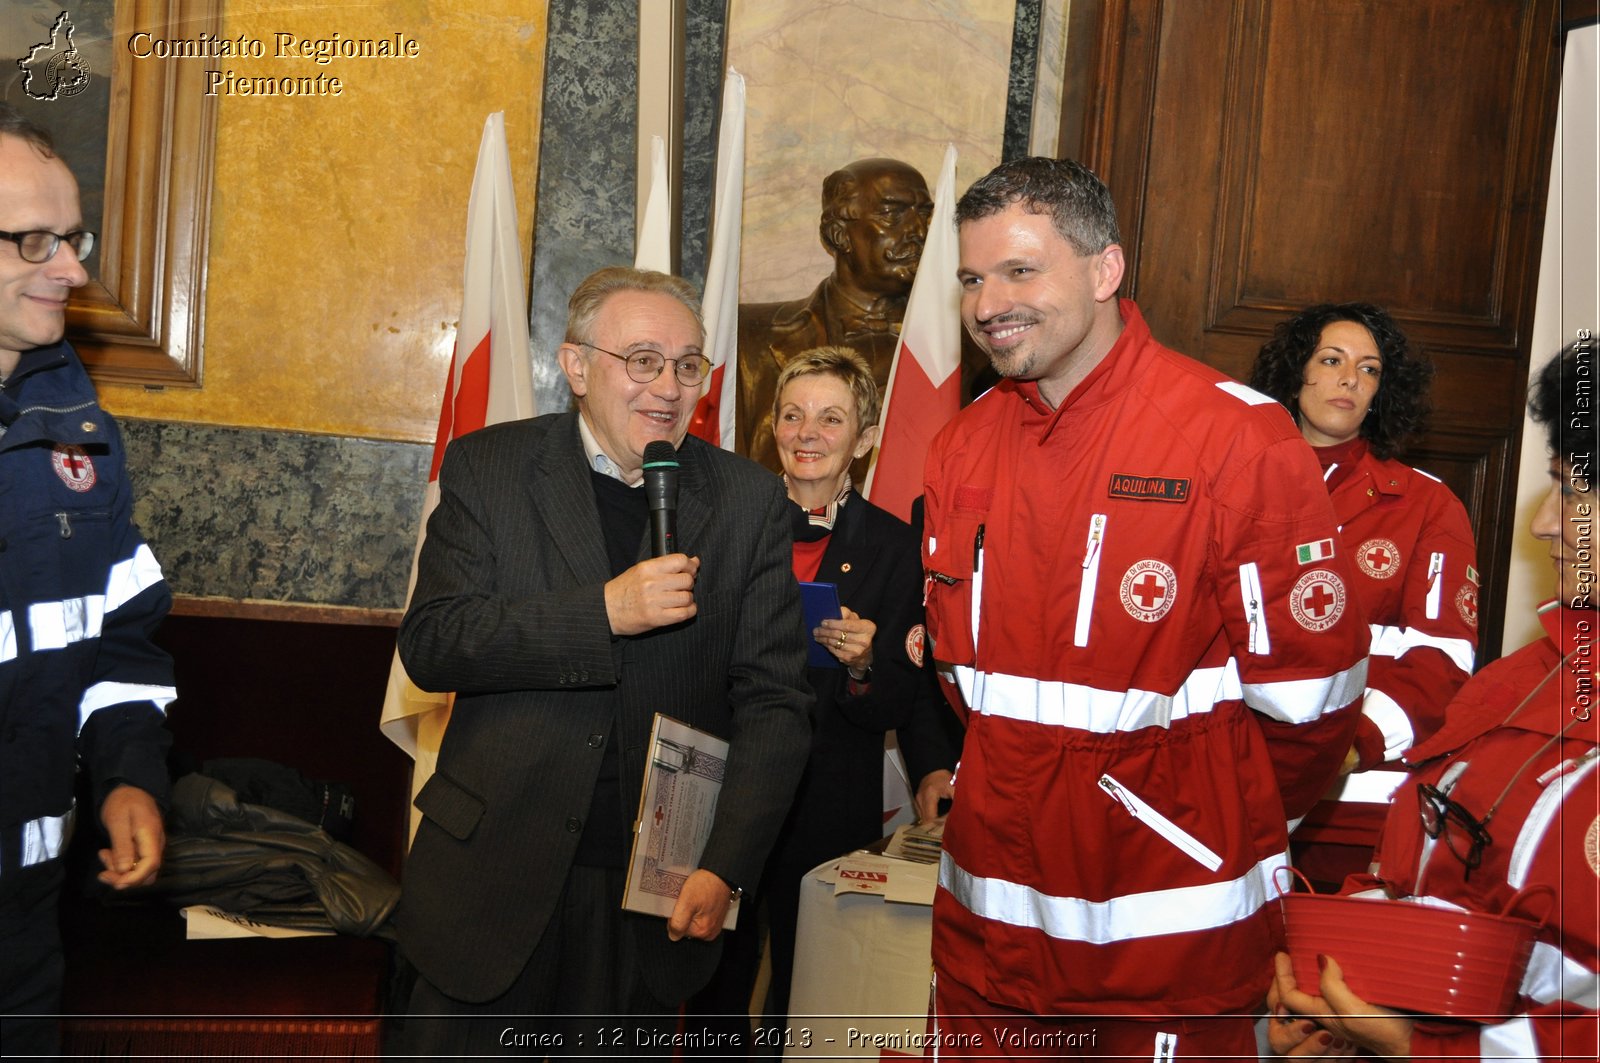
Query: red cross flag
[
  {"x": 925, "y": 379},
  {"x": 713, "y": 417},
  {"x": 491, "y": 380}
]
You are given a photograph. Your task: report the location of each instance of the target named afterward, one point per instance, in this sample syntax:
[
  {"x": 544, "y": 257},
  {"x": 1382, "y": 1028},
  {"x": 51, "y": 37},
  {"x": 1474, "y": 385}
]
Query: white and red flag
[
  {"x": 925, "y": 379},
  {"x": 491, "y": 380},
  {"x": 713, "y": 416},
  {"x": 653, "y": 238}
]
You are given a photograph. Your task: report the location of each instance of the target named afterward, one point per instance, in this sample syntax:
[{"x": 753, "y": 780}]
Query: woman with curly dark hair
[{"x": 1357, "y": 390}]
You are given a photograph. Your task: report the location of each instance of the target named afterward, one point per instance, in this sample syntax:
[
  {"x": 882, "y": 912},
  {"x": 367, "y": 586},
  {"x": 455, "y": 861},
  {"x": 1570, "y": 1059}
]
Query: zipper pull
[
  {"x": 1097, "y": 528},
  {"x": 66, "y": 525}
]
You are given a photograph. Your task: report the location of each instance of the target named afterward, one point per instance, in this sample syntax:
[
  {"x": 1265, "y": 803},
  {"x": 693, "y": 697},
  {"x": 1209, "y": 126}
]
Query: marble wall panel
[
  {"x": 836, "y": 81},
  {"x": 278, "y": 516},
  {"x": 586, "y": 168}
]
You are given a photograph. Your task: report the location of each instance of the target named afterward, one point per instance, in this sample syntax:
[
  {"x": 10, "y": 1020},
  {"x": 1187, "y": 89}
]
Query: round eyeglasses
[
  {"x": 645, "y": 364},
  {"x": 40, "y": 245}
]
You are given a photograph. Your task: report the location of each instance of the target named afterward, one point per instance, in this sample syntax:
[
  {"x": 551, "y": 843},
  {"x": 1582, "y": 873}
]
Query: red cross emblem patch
[
  {"x": 1148, "y": 590},
  {"x": 916, "y": 638},
  {"x": 1467, "y": 605},
  {"x": 72, "y": 464},
  {"x": 1378, "y": 558},
  {"x": 1317, "y": 601}
]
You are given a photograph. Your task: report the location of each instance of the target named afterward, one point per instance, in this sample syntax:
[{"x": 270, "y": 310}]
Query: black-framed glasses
[
  {"x": 40, "y": 245},
  {"x": 645, "y": 364},
  {"x": 1464, "y": 834}
]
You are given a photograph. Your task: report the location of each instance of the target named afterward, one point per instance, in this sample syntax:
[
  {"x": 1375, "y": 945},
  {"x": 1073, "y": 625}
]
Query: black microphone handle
[
  {"x": 661, "y": 495},
  {"x": 663, "y": 532}
]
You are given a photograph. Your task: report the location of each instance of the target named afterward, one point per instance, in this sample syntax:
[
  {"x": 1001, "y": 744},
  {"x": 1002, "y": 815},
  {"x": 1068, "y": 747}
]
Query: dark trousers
[
  {"x": 580, "y": 993},
  {"x": 30, "y": 959}
]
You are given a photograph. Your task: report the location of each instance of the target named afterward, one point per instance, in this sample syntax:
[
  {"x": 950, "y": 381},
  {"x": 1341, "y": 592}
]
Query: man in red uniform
[{"x": 1134, "y": 591}]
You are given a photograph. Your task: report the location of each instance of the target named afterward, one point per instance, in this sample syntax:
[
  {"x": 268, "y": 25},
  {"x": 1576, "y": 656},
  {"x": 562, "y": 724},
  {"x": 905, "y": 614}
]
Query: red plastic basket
[{"x": 1401, "y": 954}]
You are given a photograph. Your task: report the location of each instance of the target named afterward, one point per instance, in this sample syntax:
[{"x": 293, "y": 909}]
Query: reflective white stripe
[
  {"x": 1391, "y": 720},
  {"x": 1091, "y": 576},
  {"x": 44, "y": 839},
  {"x": 1395, "y": 641},
  {"x": 1088, "y": 708},
  {"x": 1366, "y": 787},
  {"x": 1254, "y": 609},
  {"x": 8, "y": 636},
  {"x": 1511, "y": 1042},
  {"x": 1180, "y": 910},
  {"x": 1141, "y": 810},
  {"x": 1553, "y": 976},
  {"x": 57, "y": 625},
  {"x": 1304, "y": 700},
  {"x": 1244, "y": 394},
  {"x": 1429, "y": 475},
  {"x": 1166, "y": 1047},
  {"x": 102, "y": 694},
  {"x": 1544, "y": 810},
  {"x": 1435, "y": 582},
  {"x": 132, "y": 577}
]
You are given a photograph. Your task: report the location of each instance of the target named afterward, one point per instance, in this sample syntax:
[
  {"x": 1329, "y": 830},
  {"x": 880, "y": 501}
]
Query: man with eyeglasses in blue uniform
[
  {"x": 80, "y": 596},
  {"x": 538, "y": 603}
]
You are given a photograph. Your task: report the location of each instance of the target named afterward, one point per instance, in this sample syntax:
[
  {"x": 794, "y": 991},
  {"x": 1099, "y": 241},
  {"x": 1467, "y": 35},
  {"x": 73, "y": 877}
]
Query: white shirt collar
[{"x": 598, "y": 461}]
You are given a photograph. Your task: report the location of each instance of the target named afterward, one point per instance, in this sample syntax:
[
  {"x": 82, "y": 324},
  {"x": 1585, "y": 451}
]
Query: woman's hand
[
  {"x": 849, "y": 639},
  {"x": 1345, "y": 1020}
]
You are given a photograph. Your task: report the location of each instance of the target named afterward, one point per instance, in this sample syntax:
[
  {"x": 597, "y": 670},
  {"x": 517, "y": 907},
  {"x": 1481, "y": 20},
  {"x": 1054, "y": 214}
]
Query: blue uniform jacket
[{"x": 80, "y": 596}]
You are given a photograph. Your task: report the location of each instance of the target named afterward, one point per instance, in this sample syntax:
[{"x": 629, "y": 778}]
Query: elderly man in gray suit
[{"x": 538, "y": 603}]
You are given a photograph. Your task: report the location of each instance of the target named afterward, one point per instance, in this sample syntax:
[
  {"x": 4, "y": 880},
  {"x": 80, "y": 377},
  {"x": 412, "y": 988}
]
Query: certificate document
[{"x": 677, "y": 803}]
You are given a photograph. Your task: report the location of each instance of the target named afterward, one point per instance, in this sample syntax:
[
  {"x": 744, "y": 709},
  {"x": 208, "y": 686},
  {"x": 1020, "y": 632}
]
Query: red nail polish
[
  {"x": 1322, "y": 962},
  {"x": 1324, "y": 1038}
]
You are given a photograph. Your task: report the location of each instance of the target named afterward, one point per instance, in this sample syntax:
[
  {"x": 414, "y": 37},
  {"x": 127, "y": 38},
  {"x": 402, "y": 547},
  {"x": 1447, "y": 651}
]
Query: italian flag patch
[{"x": 1320, "y": 550}]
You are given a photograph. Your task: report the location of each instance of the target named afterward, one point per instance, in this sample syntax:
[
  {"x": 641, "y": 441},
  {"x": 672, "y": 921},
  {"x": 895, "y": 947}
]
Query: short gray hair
[{"x": 584, "y": 306}]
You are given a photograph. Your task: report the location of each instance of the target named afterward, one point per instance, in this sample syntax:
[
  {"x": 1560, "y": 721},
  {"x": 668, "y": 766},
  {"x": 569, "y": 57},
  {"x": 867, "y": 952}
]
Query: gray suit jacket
[{"x": 509, "y": 612}]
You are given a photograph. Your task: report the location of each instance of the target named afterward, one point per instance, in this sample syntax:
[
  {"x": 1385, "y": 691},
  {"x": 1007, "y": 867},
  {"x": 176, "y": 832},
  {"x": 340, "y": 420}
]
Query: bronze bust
[{"x": 874, "y": 219}]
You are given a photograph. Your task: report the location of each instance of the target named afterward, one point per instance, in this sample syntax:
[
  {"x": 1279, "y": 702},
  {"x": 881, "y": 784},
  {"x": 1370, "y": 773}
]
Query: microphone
[{"x": 661, "y": 493}]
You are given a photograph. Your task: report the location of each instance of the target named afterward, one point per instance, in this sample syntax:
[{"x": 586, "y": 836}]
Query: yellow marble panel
[
  {"x": 334, "y": 279},
  {"x": 830, "y": 81}
]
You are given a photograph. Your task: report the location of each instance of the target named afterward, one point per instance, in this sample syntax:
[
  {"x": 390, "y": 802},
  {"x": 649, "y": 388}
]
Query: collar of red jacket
[
  {"x": 1487, "y": 702},
  {"x": 1117, "y": 371}
]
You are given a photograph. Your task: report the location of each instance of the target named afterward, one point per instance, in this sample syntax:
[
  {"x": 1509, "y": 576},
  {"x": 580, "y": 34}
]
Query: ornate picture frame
[{"x": 140, "y": 319}]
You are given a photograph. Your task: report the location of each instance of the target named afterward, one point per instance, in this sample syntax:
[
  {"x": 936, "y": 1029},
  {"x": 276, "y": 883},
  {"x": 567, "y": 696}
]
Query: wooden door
[{"x": 1270, "y": 154}]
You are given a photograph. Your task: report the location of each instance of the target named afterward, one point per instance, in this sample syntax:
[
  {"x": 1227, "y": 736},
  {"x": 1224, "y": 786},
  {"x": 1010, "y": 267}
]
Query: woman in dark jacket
[{"x": 826, "y": 416}]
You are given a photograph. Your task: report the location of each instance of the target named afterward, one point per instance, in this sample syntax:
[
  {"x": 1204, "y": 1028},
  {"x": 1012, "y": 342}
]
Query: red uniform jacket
[
  {"x": 1413, "y": 550},
  {"x": 1154, "y": 677}
]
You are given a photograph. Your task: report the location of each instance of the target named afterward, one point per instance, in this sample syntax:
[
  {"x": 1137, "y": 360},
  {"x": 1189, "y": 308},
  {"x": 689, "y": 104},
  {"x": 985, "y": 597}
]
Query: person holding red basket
[{"x": 1500, "y": 810}]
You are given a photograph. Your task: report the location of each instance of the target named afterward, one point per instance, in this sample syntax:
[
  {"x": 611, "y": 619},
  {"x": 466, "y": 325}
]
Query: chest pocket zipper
[
  {"x": 1255, "y": 608},
  {"x": 1182, "y": 839},
  {"x": 1091, "y": 575}
]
